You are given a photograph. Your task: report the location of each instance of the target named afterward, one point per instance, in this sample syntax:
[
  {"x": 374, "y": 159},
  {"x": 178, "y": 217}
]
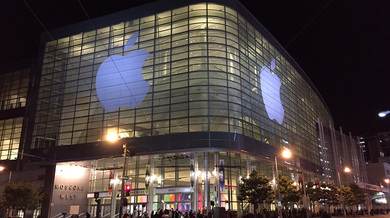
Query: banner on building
[
  {"x": 222, "y": 175},
  {"x": 300, "y": 181},
  {"x": 192, "y": 175},
  {"x": 147, "y": 178},
  {"x": 110, "y": 183}
]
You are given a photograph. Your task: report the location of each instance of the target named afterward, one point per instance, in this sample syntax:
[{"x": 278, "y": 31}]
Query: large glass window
[
  {"x": 13, "y": 89},
  {"x": 10, "y": 131}
]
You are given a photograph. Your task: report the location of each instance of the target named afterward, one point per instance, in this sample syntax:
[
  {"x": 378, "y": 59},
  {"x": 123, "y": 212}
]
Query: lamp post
[
  {"x": 387, "y": 181},
  {"x": 383, "y": 113},
  {"x": 286, "y": 153},
  {"x": 112, "y": 138},
  {"x": 346, "y": 170}
]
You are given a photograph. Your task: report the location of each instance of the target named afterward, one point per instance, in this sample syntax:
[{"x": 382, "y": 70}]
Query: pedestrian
[{"x": 126, "y": 215}]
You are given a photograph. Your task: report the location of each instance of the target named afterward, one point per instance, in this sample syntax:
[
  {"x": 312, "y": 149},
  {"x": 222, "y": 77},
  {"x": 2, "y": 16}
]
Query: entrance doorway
[{"x": 180, "y": 201}]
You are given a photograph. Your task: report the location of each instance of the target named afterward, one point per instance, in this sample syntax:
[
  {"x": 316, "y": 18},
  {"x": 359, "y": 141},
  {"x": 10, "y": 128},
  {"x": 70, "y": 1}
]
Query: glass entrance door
[{"x": 181, "y": 202}]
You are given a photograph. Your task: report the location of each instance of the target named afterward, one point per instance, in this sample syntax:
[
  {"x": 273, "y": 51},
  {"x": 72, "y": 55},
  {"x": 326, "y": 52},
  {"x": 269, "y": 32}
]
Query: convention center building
[{"x": 196, "y": 94}]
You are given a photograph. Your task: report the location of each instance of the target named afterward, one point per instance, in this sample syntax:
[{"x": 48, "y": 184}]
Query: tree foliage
[
  {"x": 348, "y": 198},
  {"x": 288, "y": 191},
  {"x": 313, "y": 191},
  {"x": 358, "y": 193},
  {"x": 329, "y": 194},
  {"x": 332, "y": 195},
  {"x": 21, "y": 196},
  {"x": 255, "y": 189}
]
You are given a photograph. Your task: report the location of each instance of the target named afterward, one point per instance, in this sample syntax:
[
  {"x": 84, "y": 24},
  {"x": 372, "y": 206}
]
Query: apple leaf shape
[
  {"x": 273, "y": 64},
  {"x": 270, "y": 90},
  {"x": 131, "y": 42}
]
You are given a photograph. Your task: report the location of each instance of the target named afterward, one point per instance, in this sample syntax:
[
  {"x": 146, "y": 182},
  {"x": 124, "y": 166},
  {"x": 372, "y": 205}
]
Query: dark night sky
[{"x": 343, "y": 46}]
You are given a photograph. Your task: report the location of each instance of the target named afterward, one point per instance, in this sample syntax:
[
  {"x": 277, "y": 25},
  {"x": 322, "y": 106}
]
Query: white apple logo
[
  {"x": 270, "y": 90},
  {"x": 119, "y": 80}
]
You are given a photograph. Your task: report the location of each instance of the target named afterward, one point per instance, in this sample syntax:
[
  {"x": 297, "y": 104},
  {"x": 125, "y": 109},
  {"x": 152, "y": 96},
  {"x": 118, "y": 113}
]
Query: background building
[{"x": 376, "y": 148}]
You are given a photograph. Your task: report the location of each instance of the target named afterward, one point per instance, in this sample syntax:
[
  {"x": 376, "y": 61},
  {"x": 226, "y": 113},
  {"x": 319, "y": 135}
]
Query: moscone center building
[{"x": 199, "y": 93}]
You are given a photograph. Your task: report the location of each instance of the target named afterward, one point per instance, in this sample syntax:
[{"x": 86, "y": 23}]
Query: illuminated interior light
[
  {"x": 153, "y": 178},
  {"x": 115, "y": 181},
  {"x": 112, "y": 136},
  {"x": 198, "y": 173}
]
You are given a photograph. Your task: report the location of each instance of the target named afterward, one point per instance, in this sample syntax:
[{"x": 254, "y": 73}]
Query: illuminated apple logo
[
  {"x": 119, "y": 80},
  {"x": 270, "y": 89}
]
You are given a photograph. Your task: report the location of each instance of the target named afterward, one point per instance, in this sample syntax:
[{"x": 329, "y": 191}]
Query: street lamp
[
  {"x": 286, "y": 153},
  {"x": 383, "y": 113},
  {"x": 387, "y": 181},
  {"x": 346, "y": 170},
  {"x": 9, "y": 175}
]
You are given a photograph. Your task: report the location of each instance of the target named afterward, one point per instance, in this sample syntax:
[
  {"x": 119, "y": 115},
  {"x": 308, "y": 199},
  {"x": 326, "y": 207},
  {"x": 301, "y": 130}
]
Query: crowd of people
[
  {"x": 294, "y": 213},
  {"x": 160, "y": 213}
]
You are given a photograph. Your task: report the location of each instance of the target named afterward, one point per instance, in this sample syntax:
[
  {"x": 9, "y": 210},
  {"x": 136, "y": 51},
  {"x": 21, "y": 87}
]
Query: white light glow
[
  {"x": 69, "y": 171},
  {"x": 198, "y": 173},
  {"x": 286, "y": 153},
  {"x": 124, "y": 135},
  {"x": 115, "y": 181},
  {"x": 112, "y": 136},
  {"x": 383, "y": 113},
  {"x": 153, "y": 178},
  {"x": 147, "y": 179}
]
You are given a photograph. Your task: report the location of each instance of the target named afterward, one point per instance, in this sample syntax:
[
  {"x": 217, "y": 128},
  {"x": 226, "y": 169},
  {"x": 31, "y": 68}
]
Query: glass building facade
[
  {"x": 13, "y": 97},
  {"x": 204, "y": 71},
  {"x": 214, "y": 74}
]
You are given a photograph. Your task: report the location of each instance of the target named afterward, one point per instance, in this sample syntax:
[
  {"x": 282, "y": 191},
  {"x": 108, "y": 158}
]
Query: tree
[
  {"x": 21, "y": 196},
  {"x": 313, "y": 191},
  {"x": 348, "y": 196},
  {"x": 359, "y": 197},
  {"x": 288, "y": 191},
  {"x": 255, "y": 190},
  {"x": 331, "y": 194}
]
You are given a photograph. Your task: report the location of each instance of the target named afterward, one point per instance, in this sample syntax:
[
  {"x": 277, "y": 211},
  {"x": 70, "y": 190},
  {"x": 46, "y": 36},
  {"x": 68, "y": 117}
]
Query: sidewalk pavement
[{"x": 365, "y": 216}]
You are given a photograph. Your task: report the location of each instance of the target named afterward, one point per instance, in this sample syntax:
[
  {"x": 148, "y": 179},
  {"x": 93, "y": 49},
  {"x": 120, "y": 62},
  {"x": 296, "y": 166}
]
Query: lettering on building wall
[
  {"x": 62, "y": 187},
  {"x": 69, "y": 187},
  {"x": 68, "y": 196}
]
